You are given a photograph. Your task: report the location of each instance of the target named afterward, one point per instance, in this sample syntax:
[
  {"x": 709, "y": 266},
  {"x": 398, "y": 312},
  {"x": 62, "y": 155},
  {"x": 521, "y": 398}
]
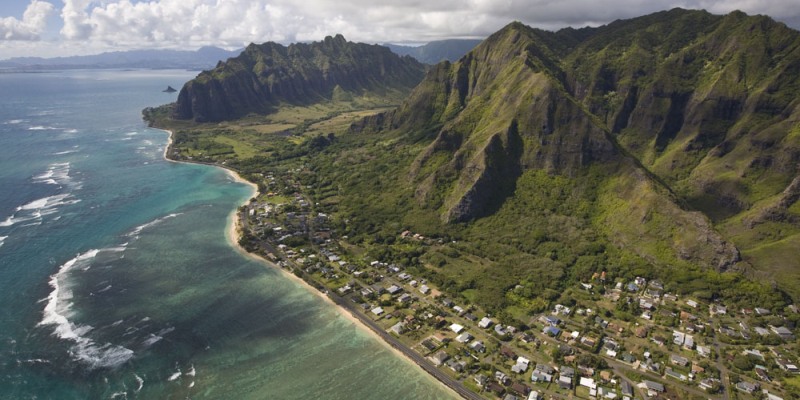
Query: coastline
[{"x": 233, "y": 234}]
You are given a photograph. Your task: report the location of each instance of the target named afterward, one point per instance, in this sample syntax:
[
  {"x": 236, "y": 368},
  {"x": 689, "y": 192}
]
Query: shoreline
[{"x": 233, "y": 234}]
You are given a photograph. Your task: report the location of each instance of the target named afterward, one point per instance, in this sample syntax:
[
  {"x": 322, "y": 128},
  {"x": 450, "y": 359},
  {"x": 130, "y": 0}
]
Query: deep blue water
[{"x": 116, "y": 279}]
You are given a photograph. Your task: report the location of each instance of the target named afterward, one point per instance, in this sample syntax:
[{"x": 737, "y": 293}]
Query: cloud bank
[
  {"x": 125, "y": 24},
  {"x": 31, "y": 26}
]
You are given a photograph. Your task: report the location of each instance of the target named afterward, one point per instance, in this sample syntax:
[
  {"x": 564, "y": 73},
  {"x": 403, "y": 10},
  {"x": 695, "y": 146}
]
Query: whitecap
[
  {"x": 14, "y": 122},
  {"x": 105, "y": 289},
  {"x": 71, "y": 131},
  {"x": 192, "y": 371},
  {"x": 140, "y": 381},
  {"x": 151, "y": 340},
  {"x": 2, "y": 240},
  {"x": 41, "y": 128},
  {"x": 36, "y": 209},
  {"x": 57, "y": 311},
  {"x": 61, "y": 153},
  {"x": 174, "y": 376},
  {"x": 191, "y": 385},
  {"x": 136, "y": 231}
]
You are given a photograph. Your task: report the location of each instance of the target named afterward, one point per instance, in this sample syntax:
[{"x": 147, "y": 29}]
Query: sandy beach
[{"x": 232, "y": 234}]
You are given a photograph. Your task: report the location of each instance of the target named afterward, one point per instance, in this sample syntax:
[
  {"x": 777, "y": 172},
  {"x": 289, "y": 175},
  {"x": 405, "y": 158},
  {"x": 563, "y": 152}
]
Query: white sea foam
[
  {"x": 140, "y": 381},
  {"x": 2, "y": 240},
  {"x": 57, "y": 174},
  {"x": 138, "y": 230},
  {"x": 57, "y": 311},
  {"x": 61, "y": 153},
  {"x": 41, "y": 128},
  {"x": 192, "y": 371},
  {"x": 70, "y": 130},
  {"x": 174, "y": 376},
  {"x": 191, "y": 385},
  {"x": 151, "y": 340},
  {"x": 14, "y": 122}
]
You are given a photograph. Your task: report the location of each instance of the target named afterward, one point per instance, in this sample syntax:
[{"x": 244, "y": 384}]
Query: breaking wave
[{"x": 58, "y": 311}]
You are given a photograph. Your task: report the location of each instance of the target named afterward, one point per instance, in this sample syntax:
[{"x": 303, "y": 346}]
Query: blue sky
[{"x": 72, "y": 27}]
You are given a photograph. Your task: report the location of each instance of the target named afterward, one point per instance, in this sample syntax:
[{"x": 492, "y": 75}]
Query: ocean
[{"x": 117, "y": 281}]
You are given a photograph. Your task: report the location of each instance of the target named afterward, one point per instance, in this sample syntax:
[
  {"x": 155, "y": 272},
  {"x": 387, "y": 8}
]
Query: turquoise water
[{"x": 116, "y": 279}]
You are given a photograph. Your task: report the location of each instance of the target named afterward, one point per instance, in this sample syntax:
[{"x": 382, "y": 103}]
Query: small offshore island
[{"x": 495, "y": 250}]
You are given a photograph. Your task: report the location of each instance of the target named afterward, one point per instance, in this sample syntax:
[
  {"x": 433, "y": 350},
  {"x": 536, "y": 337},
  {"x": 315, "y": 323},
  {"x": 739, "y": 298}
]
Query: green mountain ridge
[
  {"x": 685, "y": 122},
  {"x": 665, "y": 146},
  {"x": 265, "y": 76}
]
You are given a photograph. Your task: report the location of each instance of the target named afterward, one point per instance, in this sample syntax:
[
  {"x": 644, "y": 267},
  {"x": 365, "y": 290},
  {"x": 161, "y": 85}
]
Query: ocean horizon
[{"x": 117, "y": 279}]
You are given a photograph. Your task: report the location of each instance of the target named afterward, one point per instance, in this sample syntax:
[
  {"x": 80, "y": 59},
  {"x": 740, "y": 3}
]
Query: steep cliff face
[
  {"x": 694, "y": 111},
  {"x": 266, "y": 75}
]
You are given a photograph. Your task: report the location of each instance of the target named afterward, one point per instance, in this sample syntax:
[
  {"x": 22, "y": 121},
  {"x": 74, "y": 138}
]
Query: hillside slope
[{"x": 267, "y": 75}]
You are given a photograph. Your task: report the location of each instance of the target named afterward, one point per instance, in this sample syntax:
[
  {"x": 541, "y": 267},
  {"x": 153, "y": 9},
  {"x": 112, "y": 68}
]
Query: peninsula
[{"x": 598, "y": 213}]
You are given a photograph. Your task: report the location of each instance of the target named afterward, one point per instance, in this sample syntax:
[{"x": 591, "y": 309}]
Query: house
[
  {"x": 481, "y": 380},
  {"x": 641, "y": 332},
  {"x": 456, "y": 328},
  {"x": 565, "y": 382},
  {"x": 678, "y": 360},
  {"x": 678, "y": 338},
  {"x": 456, "y": 366},
  {"x": 762, "y": 311},
  {"x": 747, "y": 387},
  {"x": 782, "y": 331},
  {"x": 501, "y": 377},
  {"x": 404, "y": 298},
  {"x": 510, "y": 396},
  {"x": 652, "y": 387},
  {"x": 478, "y": 346},
  {"x": 521, "y": 366},
  {"x": 550, "y": 320},
  {"x": 787, "y": 366},
  {"x": 542, "y": 373},
  {"x": 439, "y": 358},
  {"x": 495, "y": 388},
  {"x": 534, "y": 395},
  {"x": 688, "y": 343},
  {"x": 424, "y": 289},
  {"x": 708, "y": 383},
  {"x": 485, "y": 323},
  {"x": 566, "y": 371},
  {"x": 691, "y": 303},
  {"x": 520, "y": 388},
  {"x": 377, "y": 311},
  {"x": 675, "y": 375},
  {"x": 551, "y": 330},
  {"x": 761, "y": 331},
  {"x": 464, "y": 338},
  {"x": 470, "y": 317},
  {"x": 459, "y": 310},
  {"x": 627, "y": 389},
  {"x": 499, "y": 330},
  {"x": 716, "y": 309},
  {"x": 703, "y": 351},
  {"x": 398, "y": 328},
  {"x": 587, "y": 382},
  {"x": 394, "y": 289},
  {"x": 761, "y": 372}
]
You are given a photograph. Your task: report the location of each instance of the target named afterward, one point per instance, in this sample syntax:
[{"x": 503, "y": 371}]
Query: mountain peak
[{"x": 269, "y": 74}]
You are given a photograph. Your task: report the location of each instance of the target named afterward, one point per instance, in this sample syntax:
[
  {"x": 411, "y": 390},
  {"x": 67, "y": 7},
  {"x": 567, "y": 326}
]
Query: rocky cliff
[
  {"x": 266, "y": 75},
  {"x": 680, "y": 119}
]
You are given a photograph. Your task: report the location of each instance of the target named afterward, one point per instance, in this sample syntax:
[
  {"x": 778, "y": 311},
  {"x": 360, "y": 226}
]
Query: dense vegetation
[{"x": 664, "y": 146}]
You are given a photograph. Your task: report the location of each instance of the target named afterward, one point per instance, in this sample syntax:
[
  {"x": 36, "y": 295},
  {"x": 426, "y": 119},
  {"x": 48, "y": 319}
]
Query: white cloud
[
  {"x": 123, "y": 24},
  {"x": 33, "y": 23}
]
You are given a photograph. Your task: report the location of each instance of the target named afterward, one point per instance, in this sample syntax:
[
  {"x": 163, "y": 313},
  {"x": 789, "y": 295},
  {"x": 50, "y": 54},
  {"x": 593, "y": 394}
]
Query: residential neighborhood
[{"x": 614, "y": 338}]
